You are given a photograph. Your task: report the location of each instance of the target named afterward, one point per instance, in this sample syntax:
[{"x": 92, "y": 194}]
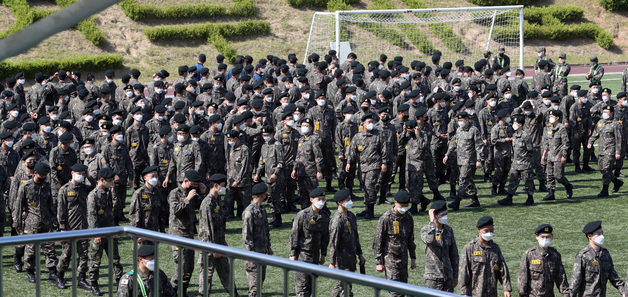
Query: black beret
[
  {"x": 146, "y": 250},
  {"x": 350, "y": 89},
  {"x": 370, "y": 94},
  {"x": 384, "y": 109},
  {"x": 197, "y": 103},
  {"x": 150, "y": 169},
  {"x": 115, "y": 129},
  {"x": 259, "y": 188},
  {"x": 164, "y": 130},
  {"x": 592, "y": 227},
  {"x": 105, "y": 90},
  {"x": 384, "y": 74},
  {"x": 419, "y": 112},
  {"x": 545, "y": 228},
  {"x": 341, "y": 195},
  {"x": 402, "y": 196},
  {"x": 593, "y": 83},
  {"x": 160, "y": 109},
  {"x": 308, "y": 121},
  {"x": 491, "y": 87},
  {"x": 582, "y": 93},
  {"x": 82, "y": 92},
  {"x": 179, "y": 105},
  {"x": 196, "y": 129},
  {"x": 193, "y": 176},
  {"x": 5, "y": 135},
  {"x": 439, "y": 96},
  {"x": 533, "y": 94},
  {"x": 78, "y": 167},
  {"x": 412, "y": 94},
  {"x": 158, "y": 83},
  {"x": 135, "y": 110},
  {"x": 546, "y": 94},
  {"x": 233, "y": 134},
  {"x": 609, "y": 107},
  {"x": 506, "y": 89},
  {"x": 469, "y": 103},
  {"x": 106, "y": 173},
  {"x": 183, "y": 128},
  {"x": 367, "y": 116},
  {"x": 575, "y": 87},
  {"x": 28, "y": 144},
  {"x": 317, "y": 192},
  {"x": 621, "y": 95},
  {"x": 29, "y": 126},
  {"x": 526, "y": 104},
  {"x": 257, "y": 103},
  {"x": 439, "y": 206},
  {"x": 218, "y": 178},
  {"x": 411, "y": 124},
  {"x": 268, "y": 129},
  {"x": 42, "y": 168},
  {"x": 106, "y": 125},
  {"x": 66, "y": 137},
  {"x": 463, "y": 115},
  {"x": 88, "y": 141},
  {"x": 403, "y": 107},
  {"x": 27, "y": 154},
  {"x": 520, "y": 119},
  {"x": 485, "y": 221},
  {"x": 556, "y": 113},
  {"x": 502, "y": 113}
]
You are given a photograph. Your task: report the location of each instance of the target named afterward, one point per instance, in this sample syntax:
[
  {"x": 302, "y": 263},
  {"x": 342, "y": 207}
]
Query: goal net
[{"x": 459, "y": 33}]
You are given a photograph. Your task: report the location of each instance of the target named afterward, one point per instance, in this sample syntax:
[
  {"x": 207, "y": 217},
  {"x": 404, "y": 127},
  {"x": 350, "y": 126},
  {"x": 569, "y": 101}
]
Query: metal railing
[{"x": 316, "y": 271}]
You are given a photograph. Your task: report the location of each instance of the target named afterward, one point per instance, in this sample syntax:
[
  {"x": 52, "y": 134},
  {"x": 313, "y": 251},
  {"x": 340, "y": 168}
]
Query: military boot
[
  {"x": 474, "y": 202},
  {"x": 424, "y": 203},
  {"x": 414, "y": 209},
  {"x": 455, "y": 205},
  {"x": 276, "y": 222},
  {"x": 329, "y": 188},
  {"x": 617, "y": 183},
  {"x": 82, "y": 283},
  {"x": 604, "y": 192},
  {"x": 549, "y": 196},
  {"x": 60, "y": 280},
  {"x": 452, "y": 192},
  {"x": 502, "y": 190},
  {"x": 52, "y": 275},
  {"x": 96, "y": 289},
  {"x": 438, "y": 196},
  {"x": 30, "y": 275},
  {"x": 530, "y": 200},
  {"x": 370, "y": 212},
  {"x": 569, "y": 190},
  {"x": 587, "y": 168},
  {"x": 542, "y": 187},
  {"x": 494, "y": 190},
  {"x": 577, "y": 168},
  {"x": 506, "y": 201},
  {"x": 17, "y": 264}
]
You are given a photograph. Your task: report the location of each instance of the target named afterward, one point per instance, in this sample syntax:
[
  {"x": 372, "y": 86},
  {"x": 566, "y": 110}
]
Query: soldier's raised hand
[{"x": 379, "y": 268}]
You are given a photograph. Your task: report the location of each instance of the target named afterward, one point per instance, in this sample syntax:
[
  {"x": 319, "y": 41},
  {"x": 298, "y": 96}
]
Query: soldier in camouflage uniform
[
  {"x": 344, "y": 133},
  {"x": 72, "y": 215},
  {"x": 160, "y": 154},
  {"x": 370, "y": 151},
  {"x": 561, "y": 72},
  {"x": 482, "y": 264},
  {"x": 270, "y": 166},
  {"x": 388, "y": 134},
  {"x": 610, "y": 134},
  {"x": 309, "y": 239},
  {"x": 308, "y": 166},
  {"x": 581, "y": 125},
  {"x": 116, "y": 153},
  {"x": 593, "y": 266},
  {"x": 137, "y": 139},
  {"x": 487, "y": 118},
  {"x": 441, "y": 251},
  {"x": 541, "y": 267},
  {"x": 33, "y": 213},
  {"x": 216, "y": 140},
  {"x": 239, "y": 170},
  {"x": 25, "y": 172},
  {"x": 344, "y": 241},
  {"x": 184, "y": 201},
  {"x": 324, "y": 120},
  {"x": 501, "y": 139},
  {"x": 555, "y": 143},
  {"x": 394, "y": 241},
  {"x": 93, "y": 160},
  {"x": 211, "y": 225},
  {"x": 45, "y": 140},
  {"x": 621, "y": 115},
  {"x": 145, "y": 277},
  {"x": 100, "y": 213},
  {"x": 186, "y": 156},
  {"x": 466, "y": 145},
  {"x": 596, "y": 72},
  {"x": 256, "y": 237},
  {"x": 61, "y": 158},
  {"x": 145, "y": 208},
  {"x": 438, "y": 119},
  {"x": 521, "y": 167}
]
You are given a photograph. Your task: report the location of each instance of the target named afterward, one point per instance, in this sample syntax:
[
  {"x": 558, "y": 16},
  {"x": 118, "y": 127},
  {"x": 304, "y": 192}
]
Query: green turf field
[{"x": 514, "y": 228}]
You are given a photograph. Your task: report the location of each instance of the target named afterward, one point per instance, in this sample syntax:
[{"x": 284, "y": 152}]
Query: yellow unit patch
[
  {"x": 213, "y": 138},
  {"x": 71, "y": 193},
  {"x": 147, "y": 207},
  {"x": 395, "y": 227},
  {"x": 176, "y": 149},
  {"x": 596, "y": 263},
  {"x": 164, "y": 161},
  {"x": 436, "y": 123},
  {"x": 264, "y": 161},
  {"x": 45, "y": 142},
  {"x": 579, "y": 119},
  {"x": 317, "y": 126},
  {"x": 182, "y": 199},
  {"x": 22, "y": 181},
  {"x": 59, "y": 168},
  {"x": 347, "y": 141},
  {"x": 477, "y": 253},
  {"x": 599, "y": 125},
  {"x": 33, "y": 204},
  {"x": 349, "y": 226},
  {"x": 312, "y": 222},
  {"x": 115, "y": 157},
  {"x": 490, "y": 123},
  {"x": 101, "y": 212},
  {"x": 360, "y": 128},
  {"x": 285, "y": 135},
  {"x": 144, "y": 196},
  {"x": 217, "y": 209},
  {"x": 299, "y": 145},
  {"x": 360, "y": 148},
  {"x": 550, "y": 132},
  {"x": 535, "y": 262},
  {"x": 437, "y": 237},
  {"x": 134, "y": 144},
  {"x": 259, "y": 216},
  {"x": 495, "y": 267}
]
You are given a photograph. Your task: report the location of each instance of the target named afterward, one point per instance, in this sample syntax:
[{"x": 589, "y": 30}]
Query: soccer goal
[{"x": 459, "y": 33}]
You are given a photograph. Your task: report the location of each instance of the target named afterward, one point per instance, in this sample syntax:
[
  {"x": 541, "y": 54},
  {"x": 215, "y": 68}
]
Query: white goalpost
[{"x": 459, "y": 33}]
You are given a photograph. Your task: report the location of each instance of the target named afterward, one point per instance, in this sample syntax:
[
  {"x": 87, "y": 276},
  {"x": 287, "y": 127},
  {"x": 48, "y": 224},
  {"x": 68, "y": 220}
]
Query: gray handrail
[{"x": 262, "y": 259}]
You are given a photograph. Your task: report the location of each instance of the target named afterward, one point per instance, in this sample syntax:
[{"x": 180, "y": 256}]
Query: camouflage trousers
[
  {"x": 345, "y": 179},
  {"x": 581, "y": 141},
  {"x": 502, "y": 165},
  {"x": 441, "y": 285},
  {"x": 371, "y": 184},
  {"x": 539, "y": 169},
  {"x": 415, "y": 181},
  {"x": 66, "y": 256},
  {"x": 439, "y": 149},
  {"x": 96, "y": 257},
  {"x": 555, "y": 173},
  {"x": 516, "y": 175},
  {"x": 384, "y": 180},
  {"x": 399, "y": 167},
  {"x": 339, "y": 289},
  {"x": 221, "y": 266},
  {"x": 465, "y": 180},
  {"x": 240, "y": 196},
  {"x": 303, "y": 281},
  {"x": 119, "y": 199},
  {"x": 47, "y": 248},
  {"x": 397, "y": 270},
  {"x": 251, "y": 276},
  {"x": 187, "y": 256},
  {"x": 305, "y": 185},
  {"x": 606, "y": 165}
]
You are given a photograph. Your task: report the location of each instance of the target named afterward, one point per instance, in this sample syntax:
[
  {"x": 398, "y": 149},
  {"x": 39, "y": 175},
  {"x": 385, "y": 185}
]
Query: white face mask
[
  {"x": 169, "y": 107},
  {"x": 585, "y": 100},
  {"x": 599, "y": 240},
  {"x": 421, "y": 99},
  {"x": 79, "y": 178},
  {"x": 547, "y": 101},
  {"x": 353, "y": 97},
  {"x": 105, "y": 134},
  {"x": 21, "y": 81},
  {"x": 290, "y": 123},
  {"x": 200, "y": 112},
  {"x": 442, "y": 104},
  {"x": 138, "y": 117},
  {"x": 242, "y": 126},
  {"x": 267, "y": 138},
  {"x": 88, "y": 151},
  {"x": 319, "y": 204},
  {"x": 231, "y": 143},
  {"x": 516, "y": 126},
  {"x": 284, "y": 104},
  {"x": 159, "y": 91},
  {"x": 348, "y": 204},
  {"x": 170, "y": 138},
  {"x": 552, "y": 120},
  {"x": 443, "y": 220},
  {"x": 150, "y": 265},
  {"x": 268, "y": 99},
  {"x": 54, "y": 117},
  {"x": 321, "y": 102},
  {"x": 222, "y": 191},
  {"x": 488, "y": 236},
  {"x": 119, "y": 137},
  {"x": 461, "y": 124},
  {"x": 306, "y": 96},
  {"x": 305, "y": 130},
  {"x": 72, "y": 145},
  {"x": 89, "y": 118},
  {"x": 47, "y": 129},
  {"x": 605, "y": 98},
  {"x": 492, "y": 103},
  {"x": 15, "y": 134},
  {"x": 527, "y": 112},
  {"x": 544, "y": 242},
  {"x": 471, "y": 111},
  {"x": 180, "y": 138},
  {"x": 625, "y": 103},
  {"x": 457, "y": 88},
  {"x": 555, "y": 107},
  {"x": 195, "y": 139},
  {"x": 349, "y": 117},
  {"x": 595, "y": 91},
  {"x": 373, "y": 102},
  {"x": 142, "y": 105},
  {"x": 153, "y": 181},
  {"x": 219, "y": 126},
  {"x": 296, "y": 117},
  {"x": 159, "y": 118},
  {"x": 508, "y": 96},
  {"x": 15, "y": 113},
  {"x": 508, "y": 119},
  {"x": 402, "y": 210},
  {"x": 9, "y": 143},
  {"x": 539, "y": 54},
  {"x": 470, "y": 95},
  {"x": 129, "y": 94},
  {"x": 606, "y": 116},
  {"x": 370, "y": 126},
  {"x": 109, "y": 80}
]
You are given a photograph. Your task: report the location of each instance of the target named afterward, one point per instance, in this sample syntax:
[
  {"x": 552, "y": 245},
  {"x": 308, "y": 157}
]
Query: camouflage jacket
[{"x": 481, "y": 267}]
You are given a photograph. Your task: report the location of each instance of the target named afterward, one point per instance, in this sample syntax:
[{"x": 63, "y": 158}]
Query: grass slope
[{"x": 514, "y": 228}]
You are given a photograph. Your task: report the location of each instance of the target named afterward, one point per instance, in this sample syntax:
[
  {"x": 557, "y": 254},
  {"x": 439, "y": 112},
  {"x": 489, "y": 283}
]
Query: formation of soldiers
[{"x": 231, "y": 138}]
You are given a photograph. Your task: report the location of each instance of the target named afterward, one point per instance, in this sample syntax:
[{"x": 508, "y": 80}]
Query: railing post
[
  {"x": 285, "y": 282},
  {"x": 157, "y": 271},
  {"x": 345, "y": 286},
  {"x": 135, "y": 270},
  {"x": 314, "y": 285},
  {"x": 37, "y": 270},
  {"x": 1, "y": 282},
  {"x": 204, "y": 280},
  {"x": 180, "y": 271},
  {"x": 259, "y": 279},
  {"x": 376, "y": 292},
  {"x": 110, "y": 263},
  {"x": 231, "y": 280},
  {"x": 74, "y": 266}
]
